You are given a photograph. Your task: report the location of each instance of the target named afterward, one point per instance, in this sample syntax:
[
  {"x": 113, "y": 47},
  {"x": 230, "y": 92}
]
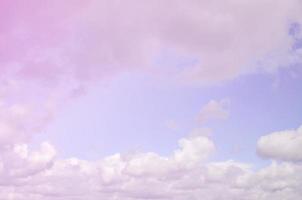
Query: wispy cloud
[{"x": 214, "y": 110}]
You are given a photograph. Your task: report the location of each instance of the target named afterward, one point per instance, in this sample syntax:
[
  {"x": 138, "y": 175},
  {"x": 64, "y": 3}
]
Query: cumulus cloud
[
  {"x": 214, "y": 110},
  {"x": 283, "y": 145},
  {"x": 37, "y": 175},
  {"x": 139, "y": 175},
  {"x": 194, "y": 150},
  {"x": 19, "y": 162}
]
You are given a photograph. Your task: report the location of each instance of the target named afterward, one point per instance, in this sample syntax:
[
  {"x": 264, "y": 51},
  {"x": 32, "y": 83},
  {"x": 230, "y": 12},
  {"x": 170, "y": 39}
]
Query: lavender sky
[{"x": 150, "y": 100}]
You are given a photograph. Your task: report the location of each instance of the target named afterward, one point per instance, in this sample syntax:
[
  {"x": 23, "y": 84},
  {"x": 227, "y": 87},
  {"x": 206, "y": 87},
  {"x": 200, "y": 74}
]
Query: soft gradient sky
[{"x": 135, "y": 100}]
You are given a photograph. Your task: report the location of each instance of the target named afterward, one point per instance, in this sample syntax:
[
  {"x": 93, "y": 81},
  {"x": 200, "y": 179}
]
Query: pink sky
[{"x": 66, "y": 65}]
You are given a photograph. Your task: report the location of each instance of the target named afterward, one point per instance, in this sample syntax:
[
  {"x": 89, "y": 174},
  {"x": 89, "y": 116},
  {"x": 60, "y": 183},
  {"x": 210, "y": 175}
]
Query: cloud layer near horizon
[{"x": 185, "y": 174}]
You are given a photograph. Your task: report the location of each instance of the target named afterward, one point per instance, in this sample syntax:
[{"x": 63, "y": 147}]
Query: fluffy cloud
[
  {"x": 276, "y": 181},
  {"x": 36, "y": 175},
  {"x": 194, "y": 149},
  {"x": 283, "y": 145},
  {"x": 139, "y": 175},
  {"x": 214, "y": 110},
  {"x": 18, "y": 162}
]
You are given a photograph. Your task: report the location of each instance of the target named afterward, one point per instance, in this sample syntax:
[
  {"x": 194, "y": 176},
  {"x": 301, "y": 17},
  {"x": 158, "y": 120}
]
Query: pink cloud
[
  {"x": 55, "y": 48},
  {"x": 90, "y": 39},
  {"x": 50, "y": 50}
]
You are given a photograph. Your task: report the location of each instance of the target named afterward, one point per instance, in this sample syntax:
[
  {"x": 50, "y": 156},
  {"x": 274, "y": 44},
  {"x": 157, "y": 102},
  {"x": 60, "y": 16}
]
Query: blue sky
[
  {"x": 151, "y": 100},
  {"x": 133, "y": 112}
]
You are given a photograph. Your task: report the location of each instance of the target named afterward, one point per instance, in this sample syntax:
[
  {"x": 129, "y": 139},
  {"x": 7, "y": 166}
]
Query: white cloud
[
  {"x": 214, "y": 110},
  {"x": 185, "y": 174},
  {"x": 19, "y": 163},
  {"x": 194, "y": 150},
  {"x": 227, "y": 39},
  {"x": 283, "y": 145}
]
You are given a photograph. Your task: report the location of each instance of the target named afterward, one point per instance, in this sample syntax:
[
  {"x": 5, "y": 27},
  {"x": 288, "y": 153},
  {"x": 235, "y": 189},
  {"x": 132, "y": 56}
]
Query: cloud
[
  {"x": 50, "y": 56},
  {"x": 92, "y": 39},
  {"x": 185, "y": 174},
  {"x": 51, "y": 50},
  {"x": 19, "y": 162},
  {"x": 283, "y": 145},
  {"x": 124, "y": 176},
  {"x": 23, "y": 116},
  {"x": 214, "y": 110},
  {"x": 194, "y": 150}
]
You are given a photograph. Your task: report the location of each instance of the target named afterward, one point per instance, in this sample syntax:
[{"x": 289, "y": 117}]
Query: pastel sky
[{"x": 150, "y": 100}]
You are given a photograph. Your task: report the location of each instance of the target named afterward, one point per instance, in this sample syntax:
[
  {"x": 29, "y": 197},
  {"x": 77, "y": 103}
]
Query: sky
[{"x": 150, "y": 100}]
